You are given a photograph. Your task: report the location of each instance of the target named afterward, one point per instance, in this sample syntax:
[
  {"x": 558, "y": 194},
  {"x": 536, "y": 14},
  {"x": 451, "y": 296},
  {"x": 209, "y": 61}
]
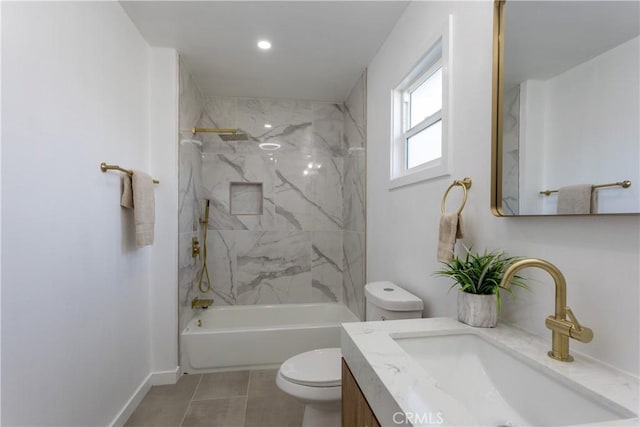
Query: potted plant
[{"x": 479, "y": 276}]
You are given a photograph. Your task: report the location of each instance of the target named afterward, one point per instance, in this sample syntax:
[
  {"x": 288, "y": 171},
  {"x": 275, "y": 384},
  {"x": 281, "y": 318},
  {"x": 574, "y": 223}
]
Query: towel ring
[{"x": 465, "y": 184}]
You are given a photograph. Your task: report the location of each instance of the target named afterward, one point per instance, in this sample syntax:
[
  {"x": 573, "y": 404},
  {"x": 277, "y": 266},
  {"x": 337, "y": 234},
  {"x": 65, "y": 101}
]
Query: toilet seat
[
  {"x": 307, "y": 394},
  {"x": 315, "y": 368}
]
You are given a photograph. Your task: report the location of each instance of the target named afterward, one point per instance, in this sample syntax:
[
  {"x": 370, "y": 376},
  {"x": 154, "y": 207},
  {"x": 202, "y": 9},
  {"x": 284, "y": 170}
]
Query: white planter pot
[{"x": 477, "y": 310}]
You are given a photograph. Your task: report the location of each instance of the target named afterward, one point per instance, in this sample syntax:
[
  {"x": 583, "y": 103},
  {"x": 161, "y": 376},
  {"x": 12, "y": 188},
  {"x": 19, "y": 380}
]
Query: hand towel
[
  {"x": 576, "y": 199},
  {"x": 450, "y": 230},
  {"x": 126, "y": 200},
  {"x": 143, "y": 208}
]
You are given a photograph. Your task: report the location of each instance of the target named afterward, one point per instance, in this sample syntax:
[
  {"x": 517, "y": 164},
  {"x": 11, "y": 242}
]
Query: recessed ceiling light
[
  {"x": 267, "y": 125},
  {"x": 264, "y": 44}
]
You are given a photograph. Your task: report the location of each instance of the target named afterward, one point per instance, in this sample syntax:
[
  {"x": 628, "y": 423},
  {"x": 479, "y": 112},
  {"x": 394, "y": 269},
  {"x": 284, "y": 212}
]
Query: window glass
[
  {"x": 426, "y": 99},
  {"x": 425, "y": 146}
]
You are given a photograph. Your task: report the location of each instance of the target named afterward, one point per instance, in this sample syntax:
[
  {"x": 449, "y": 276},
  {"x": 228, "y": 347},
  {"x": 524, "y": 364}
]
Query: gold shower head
[
  {"x": 224, "y": 133},
  {"x": 233, "y": 137}
]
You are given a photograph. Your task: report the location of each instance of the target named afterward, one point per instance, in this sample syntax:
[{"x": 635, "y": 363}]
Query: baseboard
[
  {"x": 165, "y": 377},
  {"x": 154, "y": 378},
  {"x": 132, "y": 403}
]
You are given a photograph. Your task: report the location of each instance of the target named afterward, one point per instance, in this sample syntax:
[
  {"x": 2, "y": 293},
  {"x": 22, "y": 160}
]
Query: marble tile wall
[
  {"x": 511, "y": 151},
  {"x": 293, "y": 251},
  {"x": 311, "y": 225},
  {"x": 354, "y": 197},
  {"x": 191, "y": 206}
]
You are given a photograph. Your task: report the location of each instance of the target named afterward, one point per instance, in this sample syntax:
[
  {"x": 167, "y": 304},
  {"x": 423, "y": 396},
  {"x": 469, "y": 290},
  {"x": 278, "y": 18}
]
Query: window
[
  {"x": 419, "y": 147},
  {"x": 423, "y": 115}
]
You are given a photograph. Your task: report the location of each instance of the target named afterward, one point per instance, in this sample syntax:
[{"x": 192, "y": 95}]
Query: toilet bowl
[{"x": 315, "y": 377}]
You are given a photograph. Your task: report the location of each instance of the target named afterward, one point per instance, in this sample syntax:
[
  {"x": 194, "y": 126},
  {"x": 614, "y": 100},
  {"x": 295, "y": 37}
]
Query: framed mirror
[{"x": 566, "y": 116}]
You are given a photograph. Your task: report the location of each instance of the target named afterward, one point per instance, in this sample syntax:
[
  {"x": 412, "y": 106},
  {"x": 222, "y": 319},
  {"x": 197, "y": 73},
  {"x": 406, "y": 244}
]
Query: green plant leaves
[{"x": 481, "y": 273}]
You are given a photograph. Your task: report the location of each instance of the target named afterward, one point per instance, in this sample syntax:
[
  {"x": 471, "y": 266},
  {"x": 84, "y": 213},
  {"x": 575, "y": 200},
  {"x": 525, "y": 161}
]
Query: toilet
[{"x": 315, "y": 377}]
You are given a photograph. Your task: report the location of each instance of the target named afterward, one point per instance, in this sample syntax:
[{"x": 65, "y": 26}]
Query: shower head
[
  {"x": 233, "y": 136},
  {"x": 226, "y": 134}
]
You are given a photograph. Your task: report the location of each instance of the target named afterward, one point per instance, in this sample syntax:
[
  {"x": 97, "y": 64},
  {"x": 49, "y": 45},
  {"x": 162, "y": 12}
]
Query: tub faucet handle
[{"x": 195, "y": 247}]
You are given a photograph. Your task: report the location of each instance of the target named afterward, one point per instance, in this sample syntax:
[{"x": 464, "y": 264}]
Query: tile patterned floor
[{"x": 224, "y": 399}]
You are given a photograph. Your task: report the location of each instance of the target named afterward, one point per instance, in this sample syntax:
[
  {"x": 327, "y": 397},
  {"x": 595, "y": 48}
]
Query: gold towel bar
[
  {"x": 105, "y": 167},
  {"x": 465, "y": 184},
  {"x": 624, "y": 184}
]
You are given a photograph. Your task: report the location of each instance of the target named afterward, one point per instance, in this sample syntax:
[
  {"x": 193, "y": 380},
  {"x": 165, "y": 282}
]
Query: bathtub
[{"x": 261, "y": 336}]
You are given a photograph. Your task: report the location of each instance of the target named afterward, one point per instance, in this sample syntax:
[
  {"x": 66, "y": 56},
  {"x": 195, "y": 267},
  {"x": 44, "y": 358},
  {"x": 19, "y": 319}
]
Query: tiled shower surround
[
  {"x": 303, "y": 239},
  {"x": 511, "y": 151},
  {"x": 190, "y": 208}
]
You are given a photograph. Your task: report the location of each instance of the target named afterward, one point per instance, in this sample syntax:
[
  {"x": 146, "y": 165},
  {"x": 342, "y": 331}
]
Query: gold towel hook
[{"x": 465, "y": 184}]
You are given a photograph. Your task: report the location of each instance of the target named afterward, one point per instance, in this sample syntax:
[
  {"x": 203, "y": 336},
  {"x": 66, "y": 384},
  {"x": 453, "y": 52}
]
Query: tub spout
[{"x": 201, "y": 303}]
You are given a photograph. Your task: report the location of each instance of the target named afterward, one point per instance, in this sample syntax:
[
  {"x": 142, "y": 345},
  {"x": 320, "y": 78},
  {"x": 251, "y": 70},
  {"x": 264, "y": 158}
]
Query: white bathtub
[{"x": 239, "y": 337}]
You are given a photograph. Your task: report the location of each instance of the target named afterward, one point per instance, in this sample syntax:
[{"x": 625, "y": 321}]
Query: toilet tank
[{"x": 388, "y": 301}]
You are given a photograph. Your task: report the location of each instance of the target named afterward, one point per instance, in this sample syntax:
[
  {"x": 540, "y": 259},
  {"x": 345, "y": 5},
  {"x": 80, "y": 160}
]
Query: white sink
[{"x": 498, "y": 387}]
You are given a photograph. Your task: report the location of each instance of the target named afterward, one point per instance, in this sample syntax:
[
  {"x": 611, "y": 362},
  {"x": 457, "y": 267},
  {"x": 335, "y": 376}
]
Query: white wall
[
  {"x": 163, "y": 291},
  {"x": 76, "y": 306},
  {"x": 598, "y": 255},
  {"x": 592, "y": 127},
  {"x": 583, "y": 126},
  {"x": 0, "y": 223},
  {"x": 532, "y": 165}
]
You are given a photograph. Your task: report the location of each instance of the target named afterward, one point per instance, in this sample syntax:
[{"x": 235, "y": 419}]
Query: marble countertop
[{"x": 394, "y": 383}]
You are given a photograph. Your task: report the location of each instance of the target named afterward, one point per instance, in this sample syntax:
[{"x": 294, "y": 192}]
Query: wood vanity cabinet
[{"x": 356, "y": 412}]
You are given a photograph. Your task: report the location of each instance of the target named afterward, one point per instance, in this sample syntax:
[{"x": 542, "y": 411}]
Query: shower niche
[{"x": 245, "y": 198}]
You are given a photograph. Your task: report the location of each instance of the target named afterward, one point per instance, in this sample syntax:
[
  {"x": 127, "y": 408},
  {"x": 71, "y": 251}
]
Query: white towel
[
  {"x": 143, "y": 203},
  {"x": 126, "y": 200},
  {"x": 577, "y": 199},
  {"x": 450, "y": 230}
]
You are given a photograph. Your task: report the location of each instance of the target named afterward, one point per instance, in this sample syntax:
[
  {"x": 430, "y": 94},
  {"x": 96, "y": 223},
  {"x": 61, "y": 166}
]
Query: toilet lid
[{"x": 315, "y": 368}]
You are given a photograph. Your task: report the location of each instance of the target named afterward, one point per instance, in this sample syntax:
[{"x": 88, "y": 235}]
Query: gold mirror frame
[
  {"x": 496, "y": 107},
  {"x": 496, "y": 120}
]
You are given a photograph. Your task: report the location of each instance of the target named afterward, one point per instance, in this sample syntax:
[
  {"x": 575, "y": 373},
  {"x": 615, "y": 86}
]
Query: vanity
[
  {"x": 355, "y": 408},
  {"x": 438, "y": 371}
]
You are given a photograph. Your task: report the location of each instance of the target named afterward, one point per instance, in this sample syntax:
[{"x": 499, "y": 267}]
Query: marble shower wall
[
  {"x": 295, "y": 250},
  {"x": 191, "y": 205},
  {"x": 303, "y": 239},
  {"x": 292, "y": 251},
  {"x": 511, "y": 151},
  {"x": 354, "y": 197}
]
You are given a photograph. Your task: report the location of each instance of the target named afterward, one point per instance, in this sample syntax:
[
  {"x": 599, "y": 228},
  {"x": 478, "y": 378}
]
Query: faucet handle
[
  {"x": 578, "y": 331},
  {"x": 572, "y": 316}
]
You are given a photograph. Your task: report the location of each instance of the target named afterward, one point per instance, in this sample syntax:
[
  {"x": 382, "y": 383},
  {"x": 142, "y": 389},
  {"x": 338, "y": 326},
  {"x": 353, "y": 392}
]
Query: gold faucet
[
  {"x": 201, "y": 303},
  {"x": 561, "y": 328}
]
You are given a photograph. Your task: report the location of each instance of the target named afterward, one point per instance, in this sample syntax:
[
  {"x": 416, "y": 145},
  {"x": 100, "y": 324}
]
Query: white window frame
[
  {"x": 437, "y": 55},
  {"x": 409, "y": 131}
]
